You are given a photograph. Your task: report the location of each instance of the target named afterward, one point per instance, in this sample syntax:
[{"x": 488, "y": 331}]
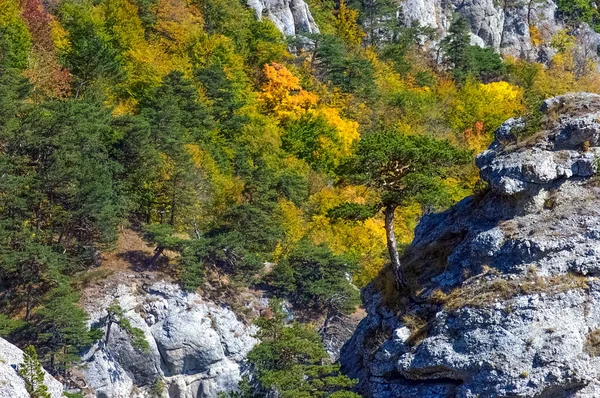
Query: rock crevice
[{"x": 291, "y": 17}]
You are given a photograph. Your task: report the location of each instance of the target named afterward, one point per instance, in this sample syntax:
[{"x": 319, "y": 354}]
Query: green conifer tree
[
  {"x": 456, "y": 48},
  {"x": 32, "y": 373}
]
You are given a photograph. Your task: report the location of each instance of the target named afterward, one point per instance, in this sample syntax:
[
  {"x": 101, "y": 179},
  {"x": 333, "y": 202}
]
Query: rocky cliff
[
  {"x": 523, "y": 29},
  {"x": 196, "y": 348},
  {"x": 291, "y": 17},
  {"x": 11, "y": 384},
  {"x": 504, "y": 297}
]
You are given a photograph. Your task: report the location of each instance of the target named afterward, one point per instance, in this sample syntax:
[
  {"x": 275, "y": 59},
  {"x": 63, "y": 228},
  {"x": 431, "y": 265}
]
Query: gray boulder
[
  {"x": 187, "y": 343},
  {"x": 508, "y": 299},
  {"x": 11, "y": 384}
]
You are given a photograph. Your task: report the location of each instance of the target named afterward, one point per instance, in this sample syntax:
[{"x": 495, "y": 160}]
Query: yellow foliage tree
[
  {"x": 222, "y": 191},
  {"x": 481, "y": 108},
  {"x": 347, "y": 27},
  {"x": 60, "y": 36},
  {"x": 347, "y": 130},
  {"x": 294, "y": 227},
  {"x": 122, "y": 21},
  {"x": 282, "y": 95},
  {"x": 569, "y": 70},
  {"x": 177, "y": 24},
  {"x": 536, "y": 36}
]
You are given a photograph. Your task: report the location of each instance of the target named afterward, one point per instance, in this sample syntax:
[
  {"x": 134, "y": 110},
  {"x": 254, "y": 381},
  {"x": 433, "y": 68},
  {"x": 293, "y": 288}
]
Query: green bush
[
  {"x": 313, "y": 277},
  {"x": 577, "y": 11}
]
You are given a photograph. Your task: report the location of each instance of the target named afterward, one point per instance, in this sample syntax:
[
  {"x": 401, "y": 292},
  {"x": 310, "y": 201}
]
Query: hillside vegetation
[{"x": 230, "y": 145}]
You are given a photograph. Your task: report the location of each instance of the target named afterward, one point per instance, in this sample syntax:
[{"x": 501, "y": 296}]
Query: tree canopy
[{"x": 244, "y": 159}]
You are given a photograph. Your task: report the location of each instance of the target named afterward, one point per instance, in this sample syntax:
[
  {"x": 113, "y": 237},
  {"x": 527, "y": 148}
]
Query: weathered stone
[
  {"x": 291, "y": 17},
  {"x": 505, "y": 29},
  {"x": 196, "y": 348}
]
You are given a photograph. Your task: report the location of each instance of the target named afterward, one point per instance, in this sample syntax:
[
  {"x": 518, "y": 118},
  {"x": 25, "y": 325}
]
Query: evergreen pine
[
  {"x": 456, "y": 47},
  {"x": 32, "y": 373}
]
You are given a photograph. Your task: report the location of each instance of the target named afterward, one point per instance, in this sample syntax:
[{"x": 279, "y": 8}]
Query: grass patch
[
  {"x": 421, "y": 264},
  {"x": 592, "y": 343},
  {"x": 418, "y": 327},
  {"x": 392, "y": 298},
  {"x": 426, "y": 262},
  {"x": 87, "y": 278},
  {"x": 485, "y": 293}
]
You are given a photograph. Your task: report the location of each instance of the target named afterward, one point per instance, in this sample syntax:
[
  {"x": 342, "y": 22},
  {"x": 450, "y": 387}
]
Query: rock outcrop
[
  {"x": 521, "y": 29},
  {"x": 504, "y": 26},
  {"x": 11, "y": 384},
  {"x": 291, "y": 17},
  {"x": 196, "y": 348},
  {"x": 505, "y": 299}
]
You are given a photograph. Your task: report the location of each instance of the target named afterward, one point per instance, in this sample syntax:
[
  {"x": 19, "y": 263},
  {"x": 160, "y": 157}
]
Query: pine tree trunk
[
  {"x": 173, "y": 202},
  {"x": 110, "y": 321},
  {"x": 393, "y": 246},
  {"x": 28, "y": 303},
  {"x": 157, "y": 252}
]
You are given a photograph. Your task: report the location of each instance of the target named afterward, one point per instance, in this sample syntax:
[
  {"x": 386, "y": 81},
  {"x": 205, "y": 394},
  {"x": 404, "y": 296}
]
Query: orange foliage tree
[{"x": 48, "y": 77}]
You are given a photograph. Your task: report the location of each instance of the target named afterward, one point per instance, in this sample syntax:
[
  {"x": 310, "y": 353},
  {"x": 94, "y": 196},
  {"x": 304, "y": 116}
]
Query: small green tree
[
  {"x": 116, "y": 315},
  {"x": 313, "y": 277},
  {"x": 292, "y": 361},
  {"x": 8, "y": 325},
  {"x": 161, "y": 235},
  {"x": 455, "y": 47},
  {"x": 304, "y": 139},
  {"x": 485, "y": 64},
  {"x": 465, "y": 60},
  {"x": 193, "y": 253},
  {"x": 404, "y": 169},
  {"x": 62, "y": 328},
  {"x": 32, "y": 373},
  {"x": 344, "y": 68}
]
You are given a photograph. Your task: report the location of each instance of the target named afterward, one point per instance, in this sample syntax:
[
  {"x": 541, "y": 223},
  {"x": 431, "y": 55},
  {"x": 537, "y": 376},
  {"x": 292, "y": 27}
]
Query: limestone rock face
[
  {"x": 505, "y": 29},
  {"x": 11, "y": 384},
  {"x": 291, "y": 17},
  {"x": 197, "y": 348},
  {"x": 508, "y": 301}
]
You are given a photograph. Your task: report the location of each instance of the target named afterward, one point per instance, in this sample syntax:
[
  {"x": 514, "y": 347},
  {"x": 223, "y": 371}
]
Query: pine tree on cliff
[
  {"x": 403, "y": 169},
  {"x": 456, "y": 48},
  {"x": 32, "y": 373}
]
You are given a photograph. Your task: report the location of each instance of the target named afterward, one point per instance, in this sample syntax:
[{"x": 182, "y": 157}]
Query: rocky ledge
[
  {"x": 196, "y": 348},
  {"x": 504, "y": 296}
]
